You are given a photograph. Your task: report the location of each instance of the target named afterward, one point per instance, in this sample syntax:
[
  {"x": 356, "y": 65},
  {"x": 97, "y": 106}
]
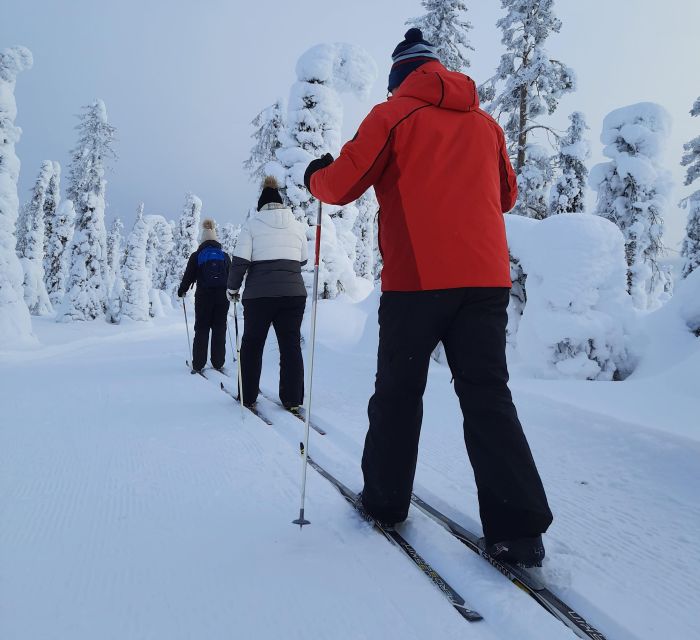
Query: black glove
[{"x": 316, "y": 165}]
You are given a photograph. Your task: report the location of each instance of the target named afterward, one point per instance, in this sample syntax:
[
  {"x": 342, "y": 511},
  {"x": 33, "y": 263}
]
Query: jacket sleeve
[
  {"x": 190, "y": 276},
  {"x": 240, "y": 261},
  {"x": 509, "y": 183},
  {"x": 360, "y": 164}
]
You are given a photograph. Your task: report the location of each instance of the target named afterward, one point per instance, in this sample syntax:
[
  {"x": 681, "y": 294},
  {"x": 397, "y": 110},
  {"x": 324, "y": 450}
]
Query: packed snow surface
[{"x": 136, "y": 502}]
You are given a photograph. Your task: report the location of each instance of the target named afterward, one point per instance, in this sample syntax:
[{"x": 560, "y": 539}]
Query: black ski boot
[
  {"x": 359, "y": 505},
  {"x": 521, "y": 552}
]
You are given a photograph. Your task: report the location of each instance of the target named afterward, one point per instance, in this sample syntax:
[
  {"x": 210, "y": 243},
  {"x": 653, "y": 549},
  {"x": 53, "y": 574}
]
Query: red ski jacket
[{"x": 443, "y": 178}]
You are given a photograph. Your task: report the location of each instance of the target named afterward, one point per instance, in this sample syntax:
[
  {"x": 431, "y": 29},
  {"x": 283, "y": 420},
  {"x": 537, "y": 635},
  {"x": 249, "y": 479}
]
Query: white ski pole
[
  {"x": 238, "y": 359},
  {"x": 187, "y": 325},
  {"x": 301, "y": 521}
]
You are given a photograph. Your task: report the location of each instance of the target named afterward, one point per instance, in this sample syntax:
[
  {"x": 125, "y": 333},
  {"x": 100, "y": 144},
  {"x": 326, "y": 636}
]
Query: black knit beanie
[{"x": 270, "y": 193}]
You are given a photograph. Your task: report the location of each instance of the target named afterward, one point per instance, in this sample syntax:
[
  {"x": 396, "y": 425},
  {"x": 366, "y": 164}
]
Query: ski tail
[
  {"x": 456, "y": 600},
  {"x": 520, "y": 577}
]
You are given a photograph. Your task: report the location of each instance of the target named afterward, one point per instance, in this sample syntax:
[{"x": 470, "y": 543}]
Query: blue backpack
[{"x": 212, "y": 268}]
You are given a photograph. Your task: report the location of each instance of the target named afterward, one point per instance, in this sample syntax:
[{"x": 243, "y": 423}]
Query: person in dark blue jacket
[{"x": 208, "y": 268}]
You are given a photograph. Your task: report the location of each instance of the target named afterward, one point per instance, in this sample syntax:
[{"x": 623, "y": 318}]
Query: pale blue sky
[{"x": 182, "y": 80}]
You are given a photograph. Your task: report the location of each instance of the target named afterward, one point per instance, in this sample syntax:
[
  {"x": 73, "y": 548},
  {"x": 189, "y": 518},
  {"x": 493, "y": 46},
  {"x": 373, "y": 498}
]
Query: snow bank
[{"x": 577, "y": 320}]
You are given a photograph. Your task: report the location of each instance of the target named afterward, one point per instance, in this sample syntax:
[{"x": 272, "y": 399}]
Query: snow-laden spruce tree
[
  {"x": 528, "y": 83},
  {"x": 367, "y": 207},
  {"x": 51, "y": 203},
  {"x": 691, "y": 243},
  {"x": 58, "y": 241},
  {"x": 577, "y": 321},
  {"x": 158, "y": 247},
  {"x": 569, "y": 190},
  {"x": 268, "y": 124},
  {"x": 86, "y": 290},
  {"x": 534, "y": 182},
  {"x": 185, "y": 241},
  {"x": 229, "y": 236},
  {"x": 136, "y": 299},
  {"x": 15, "y": 322},
  {"x": 30, "y": 244},
  {"x": 314, "y": 121},
  {"x": 160, "y": 244},
  {"x": 445, "y": 25},
  {"x": 633, "y": 191},
  {"x": 115, "y": 286}
]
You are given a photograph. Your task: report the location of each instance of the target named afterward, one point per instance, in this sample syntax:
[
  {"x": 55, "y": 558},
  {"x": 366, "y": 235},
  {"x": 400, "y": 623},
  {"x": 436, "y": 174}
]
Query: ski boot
[{"x": 525, "y": 553}]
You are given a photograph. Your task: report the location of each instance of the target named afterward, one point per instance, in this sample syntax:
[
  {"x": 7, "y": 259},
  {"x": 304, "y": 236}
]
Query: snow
[{"x": 136, "y": 502}]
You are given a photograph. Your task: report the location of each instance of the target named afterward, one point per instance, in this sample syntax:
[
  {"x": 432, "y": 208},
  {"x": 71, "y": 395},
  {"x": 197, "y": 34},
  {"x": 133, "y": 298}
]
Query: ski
[
  {"x": 253, "y": 410},
  {"x": 520, "y": 577},
  {"x": 397, "y": 539},
  {"x": 301, "y": 415}
]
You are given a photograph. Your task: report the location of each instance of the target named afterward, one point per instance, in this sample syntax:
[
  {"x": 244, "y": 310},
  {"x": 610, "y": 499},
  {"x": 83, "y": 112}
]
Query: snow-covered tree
[
  {"x": 136, "y": 300},
  {"x": 633, "y": 190},
  {"x": 314, "y": 121},
  {"x": 691, "y": 243},
  {"x": 160, "y": 244},
  {"x": 577, "y": 322},
  {"x": 52, "y": 201},
  {"x": 229, "y": 236},
  {"x": 268, "y": 124},
  {"x": 185, "y": 241},
  {"x": 58, "y": 240},
  {"x": 445, "y": 25},
  {"x": 158, "y": 247},
  {"x": 115, "y": 286},
  {"x": 367, "y": 207},
  {"x": 534, "y": 182},
  {"x": 568, "y": 191},
  {"x": 532, "y": 82},
  {"x": 15, "y": 322},
  {"x": 528, "y": 83},
  {"x": 86, "y": 291},
  {"x": 30, "y": 245}
]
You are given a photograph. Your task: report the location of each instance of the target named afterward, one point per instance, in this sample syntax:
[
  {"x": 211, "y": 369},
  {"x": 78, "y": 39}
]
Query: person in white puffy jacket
[{"x": 270, "y": 251}]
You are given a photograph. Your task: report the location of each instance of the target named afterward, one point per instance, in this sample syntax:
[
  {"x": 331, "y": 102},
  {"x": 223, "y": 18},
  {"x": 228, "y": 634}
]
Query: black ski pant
[
  {"x": 285, "y": 315},
  {"x": 471, "y": 323},
  {"x": 210, "y": 314}
]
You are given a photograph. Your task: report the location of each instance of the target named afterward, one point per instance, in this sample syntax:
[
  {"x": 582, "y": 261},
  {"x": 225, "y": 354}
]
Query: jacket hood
[
  {"x": 278, "y": 218},
  {"x": 435, "y": 85}
]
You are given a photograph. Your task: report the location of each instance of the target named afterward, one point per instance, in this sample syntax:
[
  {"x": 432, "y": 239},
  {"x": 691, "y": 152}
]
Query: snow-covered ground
[{"x": 135, "y": 503}]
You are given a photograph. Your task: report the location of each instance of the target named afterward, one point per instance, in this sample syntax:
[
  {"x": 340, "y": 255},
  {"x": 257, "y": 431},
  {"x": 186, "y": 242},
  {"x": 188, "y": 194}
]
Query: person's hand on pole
[{"x": 233, "y": 295}]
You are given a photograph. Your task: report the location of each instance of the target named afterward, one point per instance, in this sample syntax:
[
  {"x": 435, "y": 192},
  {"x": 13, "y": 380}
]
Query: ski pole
[
  {"x": 238, "y": 359},
  {"x": 301, "y": 521},
  {"x": 230, "y": 344},
  {"x": 187, "y": 325}
]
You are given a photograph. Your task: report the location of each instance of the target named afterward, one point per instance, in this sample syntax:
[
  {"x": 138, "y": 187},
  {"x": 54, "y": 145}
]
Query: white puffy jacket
[{"x": 271, "y": 249}]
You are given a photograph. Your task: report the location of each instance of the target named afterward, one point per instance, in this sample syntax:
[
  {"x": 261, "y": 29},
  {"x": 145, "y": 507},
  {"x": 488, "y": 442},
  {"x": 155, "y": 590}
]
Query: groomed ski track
[{"x": 135, "y": 503}]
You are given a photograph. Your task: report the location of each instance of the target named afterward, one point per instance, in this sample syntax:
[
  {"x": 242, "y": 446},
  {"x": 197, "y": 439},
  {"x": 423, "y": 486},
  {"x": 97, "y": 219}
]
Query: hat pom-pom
[
  {"x": 270, "y": 182},
  {"x": 414, "y": 35}
]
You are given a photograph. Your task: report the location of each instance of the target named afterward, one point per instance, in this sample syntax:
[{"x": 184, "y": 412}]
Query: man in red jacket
[{"x": 442, "y": 176}]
